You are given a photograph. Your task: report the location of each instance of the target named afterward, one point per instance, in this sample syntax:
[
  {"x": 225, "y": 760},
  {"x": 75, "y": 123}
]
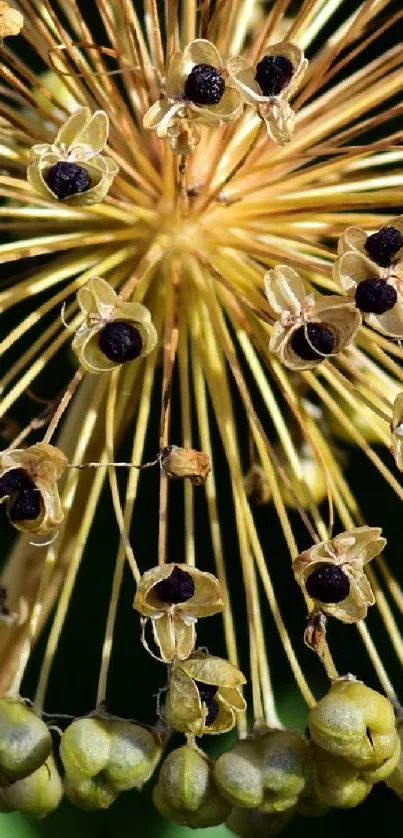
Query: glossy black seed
[
  {"x": 13, "y": 481},
  {"x": 273, "y": 73},
  {"x": 213, "y": 709},
  {"x": 178, "y": 587},
  {"x": 206, "y": 691},
  {"x": 383, "y": 246},
  {"x": 204, "y": 85},
  {"x": 65, "y": 179},
  {"x": 375, "y": 295},
  {"x": 321, "y": 338},
  {"x": 328, "y": 584},
  {"x": 26, "y": 507},
  {"x": 120, "y": 341}
]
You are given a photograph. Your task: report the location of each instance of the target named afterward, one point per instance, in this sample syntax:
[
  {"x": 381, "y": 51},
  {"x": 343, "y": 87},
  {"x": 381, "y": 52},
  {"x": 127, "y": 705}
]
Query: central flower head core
[
  {"x": 375, "y": 296},
  {"x": 65, "y": 179},
  {"x": 273, "y": 73},
  {"x": 328, "y": 584},
  {"x": 382, "y": 247},
  {"x": 204, "y": 85},
  {"x": 321, "y": 337},
  {"x": 176, "y": 588},
  {"x": 120, "y": 341}
]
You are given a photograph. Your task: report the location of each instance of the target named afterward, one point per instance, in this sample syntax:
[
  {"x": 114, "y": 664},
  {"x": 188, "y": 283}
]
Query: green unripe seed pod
[
  {"x": 90, "y": 794},
  {"x": 238, "y": 774},
  {"x": 186, "y": 792},
  {"x": 252, "y": 823},
  {"x": 268, "y": 771},
  {"x": 85, "y": 748},
  {"x": 134, "y": 753},
  {"x": 395, "y": 779},
  {"x": 36, "y": 795},
  {"x": 25, "y": 742},
  {"x": 354, "y": 722},
  {"x": 338, "y": 783}
]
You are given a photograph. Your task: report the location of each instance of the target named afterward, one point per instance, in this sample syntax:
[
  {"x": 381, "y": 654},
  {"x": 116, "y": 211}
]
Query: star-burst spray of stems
[{"x": 201, "y": 193}]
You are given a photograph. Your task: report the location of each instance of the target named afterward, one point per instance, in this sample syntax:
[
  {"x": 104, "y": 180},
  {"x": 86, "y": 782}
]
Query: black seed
[
  {"x": 320, "y": 336},
  {"x": 206, "y": 691},
  {"x": 204, "y": 85},
  {"x": 65, "y": 179},
  {"x": 375, "y": 295},
  {"x": 178, "y": 587},
  {"x": 383, "y": 246},
  {"x": 273, "y": 73},
  {"x": 13, "y": 481},
  {"x": 213, "y": 709},
  {"x": 120, "y": 341},
  {"x": 328, "y": 584},
  {"x": 26, "y": 507}
]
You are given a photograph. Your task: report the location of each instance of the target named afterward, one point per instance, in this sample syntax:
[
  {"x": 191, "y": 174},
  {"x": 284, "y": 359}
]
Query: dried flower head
[
  {"x": 197, "y": 90},
  {"x": 185, "y": 463},
  {"x": 204, "y": 695},
  {"x": 113, "y": 331},
  {"x": 370, "y": 269},
  {"x": 332, "y": 572},
  {"x": 269, "y": 85},
  {"x": 28, "y": 482},
  {"x": 11, "y": 20},
  {"x": 174, "y": 597},
  {"x": 397, "y": 431},
  {"x": 72, "y": 168},
  {"x": 309, "y": 327}
]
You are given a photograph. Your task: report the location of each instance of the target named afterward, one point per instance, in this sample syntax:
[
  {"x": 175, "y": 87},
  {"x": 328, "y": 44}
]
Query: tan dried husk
[
  {"x": 293, "y": 307},
  {"x": 397, "y": 431},
  {"x": 172, "y": 116},
  {"x": 350, "y": 550},
  {"x": 79, "y": 140},
  {"x": 174, "y": 625},
  {"x": 275, "y": 110},
  {"x": 11, "y": 21},
  {"x": 44, "y": 464},
  {"x": 100, "y": 304},
  {"x": 184, "y": 710},
  {"x": 186, "y": 463}
]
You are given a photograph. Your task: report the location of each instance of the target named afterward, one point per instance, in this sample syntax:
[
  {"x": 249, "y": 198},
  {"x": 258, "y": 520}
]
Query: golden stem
[{"x": 63, "y": 405}]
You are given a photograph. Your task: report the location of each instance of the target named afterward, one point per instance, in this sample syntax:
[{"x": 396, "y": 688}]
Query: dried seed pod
[
  {"x": 36, "y": 795},
  {"x": 186, "y": 792},
  {"x": 336, "y": 782},
  {"x": 185, "y": 462},
  {"x": 174, "y": 597},
  {"x": 193, "y": 708},
  {"x": 28, "y": 483},
  {"x": 25, "y": 741},
  {"x": 268, "y": 771},
  {"x": 356, "y": 723},
  {"x": 121, "y": 755},
  {"x": 11, "y": 21}
]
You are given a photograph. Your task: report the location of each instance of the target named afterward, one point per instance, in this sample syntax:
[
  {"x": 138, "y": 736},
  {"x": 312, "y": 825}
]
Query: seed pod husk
[
  {"x": 338, "y": 783},
  {"x": 89, "y": 794},
  {"x": 25, "y": 742},
  {"x": 36, "y": 795},
  {"x": 252, "y": 823},
  {"x": 186, "y": 792},
  {"x": 395, "y": 779}
]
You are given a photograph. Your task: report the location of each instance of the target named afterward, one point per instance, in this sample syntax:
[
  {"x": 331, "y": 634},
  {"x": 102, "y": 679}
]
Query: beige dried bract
[
  {"x": 293, "y": 307},
  {"x": 350, "y": 551},
  {"x": 174, "y": 115},
  {"x": 184, "y": 709},
  {"x": 174, "y": 624},
  {"x": 354, "y": 266},
  {"x": 100, "y": 304},
  {"x": 185, "y": 462},
  {"x": 80, "y": 140},
  {"x": 275, "y": 110},
  {"x": 11, "y": 21},
  {"x": 397, "y": 431},
  {"x": 44, "y": 464}
]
